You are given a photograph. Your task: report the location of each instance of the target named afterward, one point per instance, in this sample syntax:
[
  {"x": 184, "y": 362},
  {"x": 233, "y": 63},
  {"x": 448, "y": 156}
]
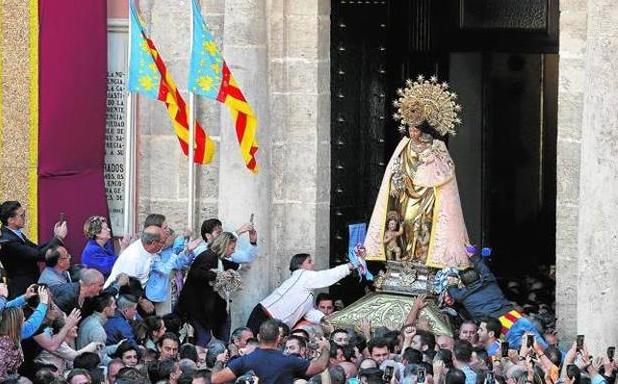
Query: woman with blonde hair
[
  {"x": 99, "y": 250},
  {"x": 199, "y": 302}
]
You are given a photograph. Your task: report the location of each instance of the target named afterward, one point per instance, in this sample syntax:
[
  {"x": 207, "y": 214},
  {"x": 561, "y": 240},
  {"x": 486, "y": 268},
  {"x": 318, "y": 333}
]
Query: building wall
[
  {"x": 573, "y": 36},
  {"x": 278, "y": 50}
]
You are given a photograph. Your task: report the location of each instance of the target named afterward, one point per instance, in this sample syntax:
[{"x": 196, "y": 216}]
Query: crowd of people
[{"x": 157, "y": 311}]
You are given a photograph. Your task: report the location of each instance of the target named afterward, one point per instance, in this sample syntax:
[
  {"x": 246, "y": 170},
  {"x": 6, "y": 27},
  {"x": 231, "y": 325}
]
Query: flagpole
[
  {"x": 191, "y": 167},
  {"x": 129, "y": 153}
]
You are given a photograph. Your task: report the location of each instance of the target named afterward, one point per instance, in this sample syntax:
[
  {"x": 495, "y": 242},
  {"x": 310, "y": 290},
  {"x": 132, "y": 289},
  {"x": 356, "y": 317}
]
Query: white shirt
[
  {"x": 135, "y": 261},
  {"x": 294, "y": 298}
]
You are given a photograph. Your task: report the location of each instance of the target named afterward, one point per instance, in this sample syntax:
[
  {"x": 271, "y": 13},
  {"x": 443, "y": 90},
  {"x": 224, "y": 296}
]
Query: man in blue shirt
[
  {"x": 269, "y": 364},
  {"x": 243, "y": 254},
  {"x": 117, "y": 326},
  {"x": 489, "y": 332},
  {"x": 462, "y": 355}
]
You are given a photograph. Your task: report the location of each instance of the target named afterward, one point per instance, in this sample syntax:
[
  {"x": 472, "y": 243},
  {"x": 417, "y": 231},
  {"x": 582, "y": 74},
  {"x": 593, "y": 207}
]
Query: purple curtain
[{"x": 72, "y": 97}]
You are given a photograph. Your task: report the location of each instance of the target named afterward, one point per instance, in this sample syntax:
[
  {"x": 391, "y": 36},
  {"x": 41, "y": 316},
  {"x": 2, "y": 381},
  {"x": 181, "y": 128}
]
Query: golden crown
[{"x": 427, "y": 100}]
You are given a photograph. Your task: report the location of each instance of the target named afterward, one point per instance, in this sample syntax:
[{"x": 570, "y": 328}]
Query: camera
[
  {"x": 420, "y": 375},
  {"x": 579, "y": 342},
  {"x": 388, "y": 373},
  {"x": 504, "y": 346}
]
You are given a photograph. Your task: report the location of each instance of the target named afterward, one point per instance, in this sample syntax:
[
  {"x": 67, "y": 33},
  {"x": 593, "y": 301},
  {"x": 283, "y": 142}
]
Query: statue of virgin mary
[{"x": 419, "y": 187}]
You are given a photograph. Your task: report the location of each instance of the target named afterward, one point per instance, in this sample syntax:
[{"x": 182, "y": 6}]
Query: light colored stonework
[
  {"x": 570, "y": 108},
  {"x": 278, "y": 50}
]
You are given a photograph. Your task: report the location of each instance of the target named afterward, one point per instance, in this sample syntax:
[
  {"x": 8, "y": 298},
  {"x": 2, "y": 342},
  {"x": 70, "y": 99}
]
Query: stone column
[
  {"x": 597, "y": 294},
  {"x": 299, "y": 54},
  {"x": 241, "y": 192},
  {"x": 573, "y": 24}
]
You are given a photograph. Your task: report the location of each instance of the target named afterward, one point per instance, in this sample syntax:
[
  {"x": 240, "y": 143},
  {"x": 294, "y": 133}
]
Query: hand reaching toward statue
[{"x": 419, "y": 301}]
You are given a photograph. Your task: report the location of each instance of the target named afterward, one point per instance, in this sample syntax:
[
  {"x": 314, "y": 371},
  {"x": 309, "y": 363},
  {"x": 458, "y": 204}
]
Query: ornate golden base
[{"x": 390, "y": 304}]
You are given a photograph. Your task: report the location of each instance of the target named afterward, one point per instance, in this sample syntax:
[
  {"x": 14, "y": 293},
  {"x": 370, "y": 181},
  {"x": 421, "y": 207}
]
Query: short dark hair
[
  {"x": 44, "y": 376},
  {"x": 173, "y": 322},
  {"x": 8, "y": 209},
  {"x": 202, "y": 374},
  {"x": 208, "y": 226},
  {"x": 492, "y": 325},
  {"x": 77, "y": 372},
  {"x": 372, "y": 375},
  {"x": 455, "y": 376},
  {"x": 188, "y": 351},
  {"x": 87, "y": 360},
  {"x": 481, "y": 353},
  {"x": 123, "y": 348},
  {"x": 152, "y": 324},
  {"x": 302, "y": 342},
  {"x": 323, "y": 296},
  {"x": 237, "y": 333},
  {"x": 168, "y": 336},
  {"x": 102, "y": 301},
  {"x": 269, "y": 331},
  {"x": 130, "y": 375},
  {"x": 427, "y": 338},
  {"x": 462, "y": 351},
  {"x": 376, "y": 343},
  {"x": 304, "y": 333},
  {"x": 160, "y": 369},
  {"x": 469, "y": 276},
  {"x": 446, "y": 357},
  {"x": 155, "y": 219},
  {"x": 52, "y": 255},
  {"x": 412, "y": 356},
  {"x": 297, "y": 260}
]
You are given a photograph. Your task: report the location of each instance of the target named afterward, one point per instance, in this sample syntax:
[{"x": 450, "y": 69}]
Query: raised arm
[
  {"x": 327, "y": 277},
  {"x": 321, "y": 363}
]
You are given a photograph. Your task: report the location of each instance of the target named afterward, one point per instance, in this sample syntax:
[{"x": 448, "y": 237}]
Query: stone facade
[
  {"x": 278, "y": 50},
  {"x": 587, "y": 288}
]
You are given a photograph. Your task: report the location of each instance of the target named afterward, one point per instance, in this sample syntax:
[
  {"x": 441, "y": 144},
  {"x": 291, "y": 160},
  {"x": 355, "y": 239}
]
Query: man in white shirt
[
  {"x": 136, "y": 259},
  {"x": 294, "y": 298}
]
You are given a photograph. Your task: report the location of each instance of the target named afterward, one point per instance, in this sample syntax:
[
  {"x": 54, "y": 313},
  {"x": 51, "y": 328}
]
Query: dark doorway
[{"x": 502, "y": 61}]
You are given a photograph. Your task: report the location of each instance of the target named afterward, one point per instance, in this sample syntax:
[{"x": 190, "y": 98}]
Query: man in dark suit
[{"x": 18, "y": 255}]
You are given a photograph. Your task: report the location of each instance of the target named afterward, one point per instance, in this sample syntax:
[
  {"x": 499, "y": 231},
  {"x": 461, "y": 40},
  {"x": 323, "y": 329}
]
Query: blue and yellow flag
[
  {"x": 144, "y": 77},
  {"x": 149, "y": 76},
  {"x": 210, "y": 76}
]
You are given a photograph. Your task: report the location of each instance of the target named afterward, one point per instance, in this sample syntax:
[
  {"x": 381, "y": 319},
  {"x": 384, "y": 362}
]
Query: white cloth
[
  {"x": 135, "y": 261},
  {"x": 294, "y": 298}
]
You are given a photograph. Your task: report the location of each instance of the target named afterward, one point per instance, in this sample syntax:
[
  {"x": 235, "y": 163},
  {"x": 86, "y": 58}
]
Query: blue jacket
[
  {"x": 483, "y": 297},
  {"x": 100, "y": 258},
  {"x": 118, "y": 328},
  {"x": 158, "y": 284}
]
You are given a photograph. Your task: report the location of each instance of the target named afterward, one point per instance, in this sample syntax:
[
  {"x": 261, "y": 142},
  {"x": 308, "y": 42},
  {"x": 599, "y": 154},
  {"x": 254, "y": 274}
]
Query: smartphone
[
  {"x": 489, "y": 378},
  {"x": 388, "y": 373},
  {"x": 579, "y": 342},
  {"x": 530, "y": 341},
  {"x": 62, "y": 218},
  {"x": 251, "y": 218},
  {"x": 610, "y": 353},
  {"x": 572, "y": 371},
  {"x": 420, "y": 375},
  {"x": 505, "y": 349}
]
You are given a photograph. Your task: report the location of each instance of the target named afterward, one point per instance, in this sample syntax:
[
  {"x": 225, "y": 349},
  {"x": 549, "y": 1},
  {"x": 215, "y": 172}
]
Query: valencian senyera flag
[
  {"x": 210, "y": 76},
  {"x": 149, "y": 76}
]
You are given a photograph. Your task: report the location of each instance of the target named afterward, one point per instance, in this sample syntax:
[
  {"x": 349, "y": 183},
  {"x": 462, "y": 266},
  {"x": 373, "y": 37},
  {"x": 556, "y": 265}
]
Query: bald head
[{"x": 91, "y": 282}]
